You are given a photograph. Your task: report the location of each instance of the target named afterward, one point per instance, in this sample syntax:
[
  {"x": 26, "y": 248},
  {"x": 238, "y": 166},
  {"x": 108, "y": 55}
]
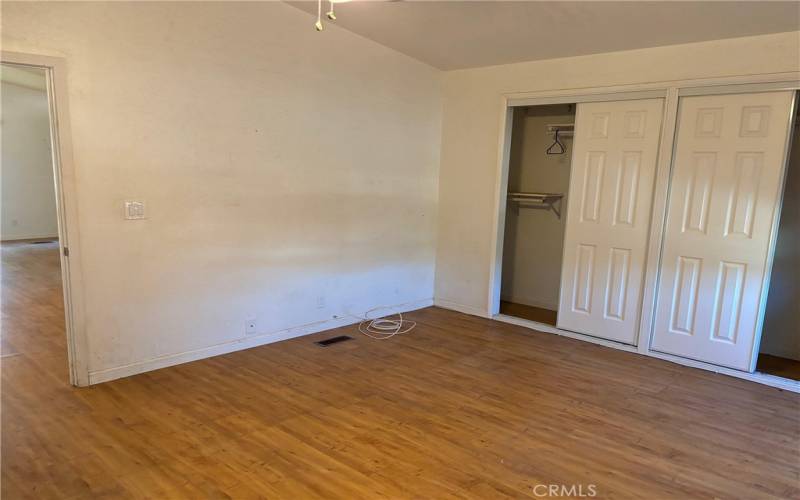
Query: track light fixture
[
  {"x": 318, "y": 24},
  {"x": 330, "y": 14}
]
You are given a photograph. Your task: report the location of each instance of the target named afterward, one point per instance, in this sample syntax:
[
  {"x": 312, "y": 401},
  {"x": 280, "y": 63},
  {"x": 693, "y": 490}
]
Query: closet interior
[{"x": 538, "y": 181}]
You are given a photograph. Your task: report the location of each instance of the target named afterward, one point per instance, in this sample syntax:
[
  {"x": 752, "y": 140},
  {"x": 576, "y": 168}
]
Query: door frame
[
  {"x": 671, "y": 91},
  {"x": 66, "y": 207},
  {"x": 512, "y": 101}
]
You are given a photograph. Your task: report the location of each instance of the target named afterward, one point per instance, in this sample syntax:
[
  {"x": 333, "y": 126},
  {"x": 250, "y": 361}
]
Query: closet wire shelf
[{"x": 540, "y": 201}]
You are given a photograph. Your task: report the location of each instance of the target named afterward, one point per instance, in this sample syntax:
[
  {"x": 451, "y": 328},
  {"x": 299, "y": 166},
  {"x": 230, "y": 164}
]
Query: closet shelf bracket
[{"x": 541, "y": 201}]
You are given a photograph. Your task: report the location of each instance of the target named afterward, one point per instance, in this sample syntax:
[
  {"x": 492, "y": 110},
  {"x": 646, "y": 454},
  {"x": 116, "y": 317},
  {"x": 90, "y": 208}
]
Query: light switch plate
[{"x": 135, "y": 210}]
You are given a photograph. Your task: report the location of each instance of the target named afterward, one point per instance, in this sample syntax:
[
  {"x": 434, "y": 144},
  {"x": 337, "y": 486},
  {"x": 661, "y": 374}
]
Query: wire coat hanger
[{"x": 561, "y": 149}]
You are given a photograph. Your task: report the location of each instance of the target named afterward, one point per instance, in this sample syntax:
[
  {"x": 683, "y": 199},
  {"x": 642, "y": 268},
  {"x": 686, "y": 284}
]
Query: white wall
[
  {"x": 471, "y": 129},
  {"x": 534, "y": 238},
  {"x": 289, "y": 175},
  {"x": 28, "y": 201},
  {"x": 781, "y": 333}
]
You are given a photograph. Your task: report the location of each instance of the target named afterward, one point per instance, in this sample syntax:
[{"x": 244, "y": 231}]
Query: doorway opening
[
  {"x": 538, "y": 181},
  {"x": 779, "y": 352},
  {"x": 33, "y": 312}
]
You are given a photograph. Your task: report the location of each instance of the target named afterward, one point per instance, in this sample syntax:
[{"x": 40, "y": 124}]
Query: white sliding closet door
[
  {"x": 725, "y": 188},
  {"x": 608, "y": 216}
]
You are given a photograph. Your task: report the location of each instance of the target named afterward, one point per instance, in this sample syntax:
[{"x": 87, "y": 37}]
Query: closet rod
[{"x": 563, "y": 129}]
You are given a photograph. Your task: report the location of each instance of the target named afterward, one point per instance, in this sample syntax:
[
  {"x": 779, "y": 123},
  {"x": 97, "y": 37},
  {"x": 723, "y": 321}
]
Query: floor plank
[
  {"x": 531, "y": 313},
  {"x": 461, "y": 407},
  {"x": 778, "y": 366}
]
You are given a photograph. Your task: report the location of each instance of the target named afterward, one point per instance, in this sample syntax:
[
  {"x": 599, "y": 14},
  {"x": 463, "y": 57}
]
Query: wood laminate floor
[
  {"x": 531, "y": 313},
  {"x": 780, "y": 367},
  {"x": 461, "y": 407}
]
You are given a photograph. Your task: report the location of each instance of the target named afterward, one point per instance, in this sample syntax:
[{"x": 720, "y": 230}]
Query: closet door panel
[
  {"x": 724, "y": 191},
  {"x": 608, "y": 211}
]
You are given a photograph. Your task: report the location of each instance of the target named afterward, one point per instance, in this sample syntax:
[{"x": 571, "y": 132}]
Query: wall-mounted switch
[{"x": 134, "y": 210}]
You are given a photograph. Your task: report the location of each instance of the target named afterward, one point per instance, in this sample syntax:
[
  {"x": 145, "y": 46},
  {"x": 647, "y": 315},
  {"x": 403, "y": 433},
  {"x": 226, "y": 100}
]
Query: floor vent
[{"x": 333, "y": 340}]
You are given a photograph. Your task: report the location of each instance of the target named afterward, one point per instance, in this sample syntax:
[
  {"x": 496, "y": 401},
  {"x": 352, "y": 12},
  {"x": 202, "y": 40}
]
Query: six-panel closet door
[
  {"x": 615, "y": 149},
  {"x": 724, "y": 193}
]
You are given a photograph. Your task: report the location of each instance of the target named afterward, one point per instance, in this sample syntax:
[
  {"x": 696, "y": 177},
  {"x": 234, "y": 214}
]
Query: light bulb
[
  {"x": 330, "y": 13},
  {"x": 318, "y": 24}
]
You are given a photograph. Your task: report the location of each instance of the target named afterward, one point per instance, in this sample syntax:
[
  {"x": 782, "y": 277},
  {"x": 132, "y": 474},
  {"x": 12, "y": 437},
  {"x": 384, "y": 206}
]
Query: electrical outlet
[
  {"x": 321, "y": 302},
  {"x": 250, "y": 326},
  {"x": 135, "y": 210}
]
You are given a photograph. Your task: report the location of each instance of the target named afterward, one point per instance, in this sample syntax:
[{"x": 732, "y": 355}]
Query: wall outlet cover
[
  {"x": 135, "y": 209},
  {"x": 250, "y": 326}
]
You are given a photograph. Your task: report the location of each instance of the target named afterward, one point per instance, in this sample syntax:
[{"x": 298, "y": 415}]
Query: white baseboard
[
  {"x": 528, "y": 301},
  {"x": 99, "y": 376},
  {"x": 545, "y": 328},
  {"x": 455, "y": 306},
  {"x": 758, "y": 377},
  {"x": 781, "y": 352},
  {"x": 24, "y": 238}
]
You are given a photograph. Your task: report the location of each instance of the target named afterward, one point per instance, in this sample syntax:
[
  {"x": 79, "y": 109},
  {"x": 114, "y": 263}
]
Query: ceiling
[{"x": 455, "y": 34}]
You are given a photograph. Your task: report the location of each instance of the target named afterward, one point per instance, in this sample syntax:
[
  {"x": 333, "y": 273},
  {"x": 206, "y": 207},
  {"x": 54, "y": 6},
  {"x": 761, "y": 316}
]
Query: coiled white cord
[{"x": 384, "y": 327}]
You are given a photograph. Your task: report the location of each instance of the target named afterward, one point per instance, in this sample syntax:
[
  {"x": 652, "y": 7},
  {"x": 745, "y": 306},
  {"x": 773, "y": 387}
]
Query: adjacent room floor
[
  {"x": 530, "y": 313},
  {"x": 460, "y": 407}
]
